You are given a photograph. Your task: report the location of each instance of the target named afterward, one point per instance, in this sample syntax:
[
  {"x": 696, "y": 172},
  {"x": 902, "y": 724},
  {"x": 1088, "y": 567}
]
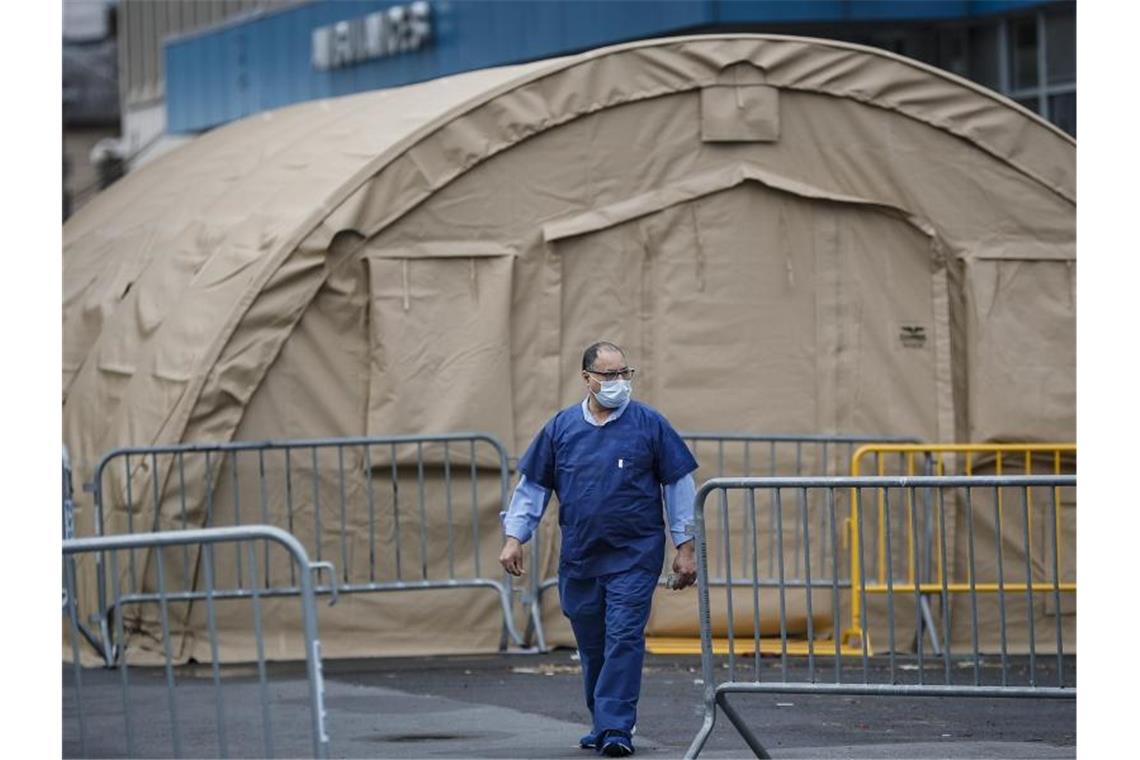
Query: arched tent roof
[{"x": 163, "y": 337}]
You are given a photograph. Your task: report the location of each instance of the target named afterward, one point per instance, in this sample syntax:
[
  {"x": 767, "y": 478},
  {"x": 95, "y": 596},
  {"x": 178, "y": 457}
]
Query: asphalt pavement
[{"x": 528, "y": 706}]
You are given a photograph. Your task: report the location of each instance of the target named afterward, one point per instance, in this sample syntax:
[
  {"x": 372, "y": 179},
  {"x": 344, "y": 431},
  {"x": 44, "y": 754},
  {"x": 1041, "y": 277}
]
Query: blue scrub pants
[{"x": 608, "y": 614}]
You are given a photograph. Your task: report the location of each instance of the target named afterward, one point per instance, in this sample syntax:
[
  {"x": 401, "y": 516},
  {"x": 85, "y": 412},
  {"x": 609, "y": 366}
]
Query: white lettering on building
[{"x": 399, "y": 29}]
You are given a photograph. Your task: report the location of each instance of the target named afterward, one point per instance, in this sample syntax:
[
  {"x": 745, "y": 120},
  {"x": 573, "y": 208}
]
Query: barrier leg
[
  {"x": 504, "y": 636},
  {"x": 534, "y": 622},
  {"x": 541, "y": 587},
  {"x": 95, "y": 641},
  {"x": 742, "y": 727},
  {"x": 109, "y": 644},
  {"x": 702, "y": 736},
  {"x": 931, "y": 629},
  {"x": 529, "y": 631},
  {"x": 509, "y": 632},
  {"x": 533, "y": 636}
]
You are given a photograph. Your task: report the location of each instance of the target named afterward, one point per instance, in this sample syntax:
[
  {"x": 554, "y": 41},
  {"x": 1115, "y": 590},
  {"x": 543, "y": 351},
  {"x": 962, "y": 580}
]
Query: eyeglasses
[{"x": 624, "y": 374}]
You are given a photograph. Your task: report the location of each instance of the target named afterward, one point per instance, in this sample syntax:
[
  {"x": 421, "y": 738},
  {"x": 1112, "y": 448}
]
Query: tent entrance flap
[
  {"x": 838, "y": 297},
  {"x": 439, "y": 340}
]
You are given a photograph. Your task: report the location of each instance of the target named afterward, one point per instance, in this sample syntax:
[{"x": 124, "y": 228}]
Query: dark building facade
[{"x": 90, "y": 106}]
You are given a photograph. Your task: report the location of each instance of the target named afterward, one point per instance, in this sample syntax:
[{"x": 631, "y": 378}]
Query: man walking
[{"x": 609, "y": 459}]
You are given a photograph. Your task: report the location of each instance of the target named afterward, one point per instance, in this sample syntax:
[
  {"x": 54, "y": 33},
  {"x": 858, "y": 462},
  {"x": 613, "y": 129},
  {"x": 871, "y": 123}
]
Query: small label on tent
[{"x": 912, "y": 336}]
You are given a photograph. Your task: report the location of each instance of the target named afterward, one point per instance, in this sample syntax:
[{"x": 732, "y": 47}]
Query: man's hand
[
  {"x": 685, "y": 566},
  {"x": 511, "y": 557}
]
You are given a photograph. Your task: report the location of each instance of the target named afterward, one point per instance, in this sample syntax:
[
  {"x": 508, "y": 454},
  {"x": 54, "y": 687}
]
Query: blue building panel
[
  {"x": 992, "y": 7},
  {"x": 775, "y": 11},
  {"x": 912, "y": 10},
  {"x": 854, "y": 11},
  {"x": 265, "y": 61},
  {"x": 213, "y": 63}
]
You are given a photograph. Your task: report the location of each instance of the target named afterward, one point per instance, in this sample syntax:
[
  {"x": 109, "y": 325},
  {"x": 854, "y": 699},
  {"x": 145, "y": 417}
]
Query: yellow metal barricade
[{"x": 942, "y": 459}]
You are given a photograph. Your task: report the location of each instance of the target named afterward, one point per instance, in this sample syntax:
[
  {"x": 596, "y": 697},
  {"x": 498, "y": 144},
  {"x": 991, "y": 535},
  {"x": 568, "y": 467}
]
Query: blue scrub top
[{"x": 608, "y": 479}]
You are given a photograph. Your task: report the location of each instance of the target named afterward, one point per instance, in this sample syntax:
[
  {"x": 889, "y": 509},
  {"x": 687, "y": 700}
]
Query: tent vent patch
[{"x": 912, "y": 336}]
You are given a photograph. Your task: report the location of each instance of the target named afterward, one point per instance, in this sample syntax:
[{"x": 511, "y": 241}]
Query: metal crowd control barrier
[
  {"x": 106, "y": 743},
  {"x": 779, "y": 455},
  {"x": 749, "y": 454},
  {"x": 750, "y": 605},
  {"x": 393, "y": 489},
  {"x": 923, "y": 563},
  {"x": 68, "y": 502},
  {"x": 69, "y": 533}
]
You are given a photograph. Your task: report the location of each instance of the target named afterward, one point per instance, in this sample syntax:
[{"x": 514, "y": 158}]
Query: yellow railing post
[
  {"x": 1057, "y": 509},
  {"x": 1029, "y": 514},
  {"x": 1000, "y": 529},
  {"x": 910, "y": 521},
  {"x": 855, "y": 630},
  {"x": 881, "y": 536}
]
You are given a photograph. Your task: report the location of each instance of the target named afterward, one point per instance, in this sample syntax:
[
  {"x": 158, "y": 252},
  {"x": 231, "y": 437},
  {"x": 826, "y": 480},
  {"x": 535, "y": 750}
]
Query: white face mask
[{"x": 614, "y": 393}]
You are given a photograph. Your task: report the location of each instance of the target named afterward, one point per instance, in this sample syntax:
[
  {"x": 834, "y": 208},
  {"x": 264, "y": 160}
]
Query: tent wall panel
[
  {"x": 318, "y": 383},
  {"x": 1023, "y": 349}
]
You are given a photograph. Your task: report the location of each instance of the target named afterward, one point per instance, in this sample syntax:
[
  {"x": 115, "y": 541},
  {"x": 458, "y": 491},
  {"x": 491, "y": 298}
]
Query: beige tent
[{"x": 788, "y": 235}]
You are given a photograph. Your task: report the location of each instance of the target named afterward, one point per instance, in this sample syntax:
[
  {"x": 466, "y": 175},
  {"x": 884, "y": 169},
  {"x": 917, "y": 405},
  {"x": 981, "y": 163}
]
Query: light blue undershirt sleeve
[
  {"x": 679, "y": 497},
  {"x": 527, "y": 507}
]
